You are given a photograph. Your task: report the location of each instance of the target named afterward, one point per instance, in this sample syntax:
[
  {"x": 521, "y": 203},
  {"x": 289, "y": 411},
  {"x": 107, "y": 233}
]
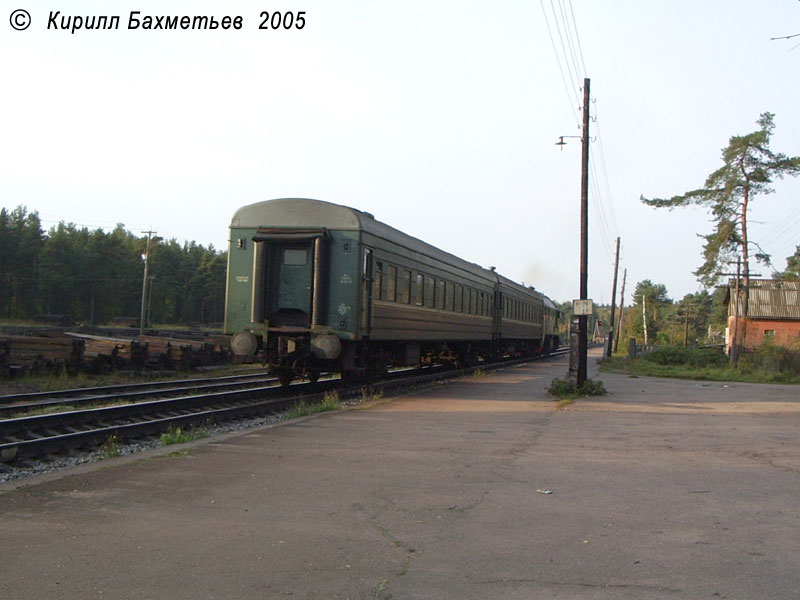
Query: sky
[{"x": 439, "y": 117}]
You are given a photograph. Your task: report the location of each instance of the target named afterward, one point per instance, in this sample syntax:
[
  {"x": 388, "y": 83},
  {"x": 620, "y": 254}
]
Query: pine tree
[{"x": 750, "y": 166}]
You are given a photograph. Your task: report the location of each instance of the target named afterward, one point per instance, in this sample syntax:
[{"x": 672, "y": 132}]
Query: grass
[
  {"x": 330, "y": 401},
  {"x": 176, "y": 435},
  {"x": 768, "y": 364},
  {"x": 45, "y": 410}
]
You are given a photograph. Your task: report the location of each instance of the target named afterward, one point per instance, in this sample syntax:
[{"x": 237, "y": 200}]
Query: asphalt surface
[{"x": 662, "y": 489}]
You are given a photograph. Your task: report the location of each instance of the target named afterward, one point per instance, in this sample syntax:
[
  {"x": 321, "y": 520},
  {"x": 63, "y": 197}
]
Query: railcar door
[
  {"x": 367, "y": 277},
  {"x": 290, "y": 275}
]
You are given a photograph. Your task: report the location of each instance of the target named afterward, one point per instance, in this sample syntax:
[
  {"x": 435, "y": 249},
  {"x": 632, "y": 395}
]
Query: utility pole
[
  {"x": 578, "y": 327},
  {"x": 621, "y": 309},
  {"x": 735, "y": 341},
  {"x": 613, "y": 300},
  {"x": 644, "y": 317},
  {"x": 686, "y": 329},
  {"x": 144, "y": 282},
  {"x": 582, "y": 333}
]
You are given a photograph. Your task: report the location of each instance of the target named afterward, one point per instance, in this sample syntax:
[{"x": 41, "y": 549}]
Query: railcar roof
[
  {"x": 530, "y": 291},
  {"x": 299, "y": 212},
  {"x": 317, "y": 214},
  {"x": 309, "y": 213}
]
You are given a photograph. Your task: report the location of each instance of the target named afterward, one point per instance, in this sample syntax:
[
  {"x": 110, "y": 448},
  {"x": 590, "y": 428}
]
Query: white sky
[{"x": 439, "y": 117}]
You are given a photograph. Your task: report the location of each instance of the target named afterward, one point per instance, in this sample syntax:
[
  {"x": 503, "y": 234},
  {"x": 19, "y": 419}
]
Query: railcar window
[
  {"x": 404, "y": 286},
  {"x": 378, "y": 281},
  {"x": 390, "y": 283},
  {"x": 440, "y": 294},
  {"x": 295, "y": 256},
  {"x": 418, "y": 289},
  {"x": 429, "y": 295}
]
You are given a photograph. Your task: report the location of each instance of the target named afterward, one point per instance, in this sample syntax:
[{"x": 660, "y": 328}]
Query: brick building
[{"x": 773, "y": 313}]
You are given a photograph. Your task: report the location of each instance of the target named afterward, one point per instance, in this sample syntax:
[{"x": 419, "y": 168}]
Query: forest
[{"x": 93, "y": 276}]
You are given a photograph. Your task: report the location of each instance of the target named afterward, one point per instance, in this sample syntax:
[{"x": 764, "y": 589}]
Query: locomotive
[{"x": 314, "y": 286}]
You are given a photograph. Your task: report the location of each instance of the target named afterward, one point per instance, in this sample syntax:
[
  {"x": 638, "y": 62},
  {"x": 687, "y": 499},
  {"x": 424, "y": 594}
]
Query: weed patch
[
  {"x": 176, "y": 435},
  {"x": 367, "y": 396},
  {"x": 111, "y": 447},
  {"x": 330, "y": 401}
]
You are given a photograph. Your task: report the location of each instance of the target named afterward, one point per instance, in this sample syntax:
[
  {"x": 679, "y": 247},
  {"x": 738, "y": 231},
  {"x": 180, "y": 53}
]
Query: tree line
[
  {"x": 696, "y": 319},
  {"x": 92, "y": 276}
]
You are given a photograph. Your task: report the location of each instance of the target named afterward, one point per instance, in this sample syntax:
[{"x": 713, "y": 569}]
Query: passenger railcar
[{"x": 316, "y": 286}]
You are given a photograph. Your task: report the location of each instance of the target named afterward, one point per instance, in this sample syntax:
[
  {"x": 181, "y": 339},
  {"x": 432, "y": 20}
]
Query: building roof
[{"x": 768, "y": 299}]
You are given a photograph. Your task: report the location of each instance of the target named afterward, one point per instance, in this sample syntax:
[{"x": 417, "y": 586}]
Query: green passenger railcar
[{"x": 317, "y": 286}]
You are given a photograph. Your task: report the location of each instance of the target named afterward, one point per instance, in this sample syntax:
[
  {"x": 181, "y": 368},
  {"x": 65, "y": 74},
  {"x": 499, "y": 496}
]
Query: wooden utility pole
[
  {"x": 735, "y": 344},
  {"x": 686, "y": 330},
  {"x": 613, "y": 301},
  {"x": 582, "y": 319},
  {"x": 621, "y": 309},
  {"x": 578, "y": 332}
]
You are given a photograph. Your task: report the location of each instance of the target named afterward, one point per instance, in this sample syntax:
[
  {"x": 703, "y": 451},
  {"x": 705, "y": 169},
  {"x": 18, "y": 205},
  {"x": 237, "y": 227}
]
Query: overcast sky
[{"x": 439, "y": 117}]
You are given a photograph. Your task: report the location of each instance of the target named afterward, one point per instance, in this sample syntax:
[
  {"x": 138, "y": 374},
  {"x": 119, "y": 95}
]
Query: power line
[{"x": 570, "y": 98}]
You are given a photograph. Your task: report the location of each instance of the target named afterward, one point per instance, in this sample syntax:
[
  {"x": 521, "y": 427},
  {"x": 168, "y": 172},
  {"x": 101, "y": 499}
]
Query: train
[{"x": 314, "y": 286}]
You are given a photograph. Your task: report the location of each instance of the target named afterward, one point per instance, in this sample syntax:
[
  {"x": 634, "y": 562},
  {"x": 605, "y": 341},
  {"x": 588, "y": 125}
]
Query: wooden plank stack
[
  {"x": 40, "y": 353},
  {"x": 5, "y": 358},
  {"x": 103, "y": 354},
  {"x": 55, "y": 350},
  {"x": 184, "y": 354}
]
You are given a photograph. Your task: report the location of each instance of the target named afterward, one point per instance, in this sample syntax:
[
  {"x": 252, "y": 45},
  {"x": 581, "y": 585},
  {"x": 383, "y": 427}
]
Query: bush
[
  {"x": 698, "y": 358},
  {"x": 563, "y": 388},
  {"x": 770, "y": 358}
]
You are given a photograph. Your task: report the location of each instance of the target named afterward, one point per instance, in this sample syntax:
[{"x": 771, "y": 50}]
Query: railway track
[
  {"x": 66, "y": 400},
  {"x": 24, "y": 437}
]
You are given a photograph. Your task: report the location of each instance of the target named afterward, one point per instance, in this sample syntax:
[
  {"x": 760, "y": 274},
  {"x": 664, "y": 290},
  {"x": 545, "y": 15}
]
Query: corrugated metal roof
[{"x": 769, "y": 299}]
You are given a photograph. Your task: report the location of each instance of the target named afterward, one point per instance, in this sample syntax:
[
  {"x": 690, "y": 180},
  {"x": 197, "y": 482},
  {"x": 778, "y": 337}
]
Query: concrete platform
[{"x": 663, "y": 489}]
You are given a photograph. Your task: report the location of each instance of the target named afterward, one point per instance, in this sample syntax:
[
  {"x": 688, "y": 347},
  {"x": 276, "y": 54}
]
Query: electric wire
[
  {"x": 558, "y": 62},
  {"x": 568, "y": 53}
]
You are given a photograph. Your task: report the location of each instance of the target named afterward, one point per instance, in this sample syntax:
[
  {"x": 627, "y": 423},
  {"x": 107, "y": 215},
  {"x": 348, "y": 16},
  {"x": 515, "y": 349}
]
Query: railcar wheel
[{"x": 285, "y": 377}]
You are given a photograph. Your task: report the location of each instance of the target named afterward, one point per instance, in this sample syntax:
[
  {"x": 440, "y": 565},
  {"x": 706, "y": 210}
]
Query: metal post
[
  {"x": 149, "y": 318},
  {"x": 144, "y": 283}
]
